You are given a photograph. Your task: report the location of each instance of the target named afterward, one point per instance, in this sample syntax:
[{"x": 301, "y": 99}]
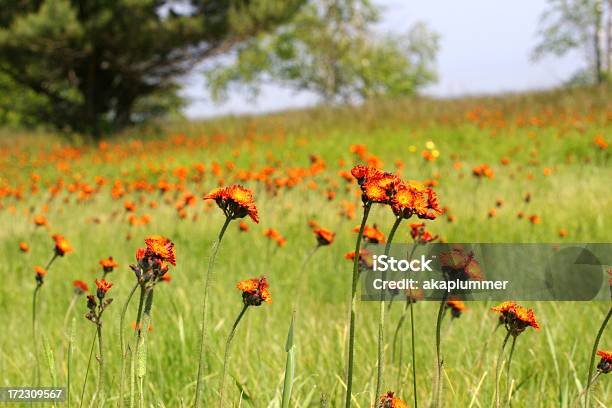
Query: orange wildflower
[
  {"x": 62, "y": 246},
  {"x": 40, "y": 274},
  {"x": 80, "y": 287},
  {"x": 40, "y": 220},
  {"x": 162, "y": 248},
  {"x": 255, "y": 291},
  {"x": 515, "y": 317},
  {"x": 24, "y": 247},
  {"x": 103, "y": 287},
  {"x": 456, "y": 307},
  {"x": 236, "y": 201},
  {"x": 371, "y": 234},
  {"x": 243, "y": 226},
  {"x": 108, "y": 264},
  {"x": 324, "y": 236},
  {"x": 605, "y": 364},
  {"x": 389, "y": 400}
]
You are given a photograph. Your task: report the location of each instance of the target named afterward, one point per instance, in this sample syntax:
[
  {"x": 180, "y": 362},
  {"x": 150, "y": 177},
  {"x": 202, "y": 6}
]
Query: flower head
[
  {"x": 605, "y": 364},
  {"x": 255, "y": 291},
  {"x": 40, "y": 274},
  {"x": 389, "y": 400},
  {"x": 108, "y": 264},
  {"x": 62, "y": 246},
  {"x": 24, "y": 247},
  {"x": 515, "y": 317},
  {"x": 371, "y": 234},
  {"x": 456, "y": 307},
  {"x": 80, "y": 287},
  {"x": 236, "y": 201},
  {"x": 103, "y": 287},
  {"x": 162, "y": 248},
  {"x": 324, "y": 236}
]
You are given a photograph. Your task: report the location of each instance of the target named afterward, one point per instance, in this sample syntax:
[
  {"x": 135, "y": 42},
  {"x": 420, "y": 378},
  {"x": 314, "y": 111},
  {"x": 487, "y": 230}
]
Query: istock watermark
[{"x": 468, "y": 271}]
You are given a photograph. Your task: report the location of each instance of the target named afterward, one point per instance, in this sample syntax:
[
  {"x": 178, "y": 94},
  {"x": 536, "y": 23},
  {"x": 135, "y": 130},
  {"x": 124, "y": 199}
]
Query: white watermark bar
[
  {"x": 32, "y": 394},
  {"x": 475, "y": 271}
]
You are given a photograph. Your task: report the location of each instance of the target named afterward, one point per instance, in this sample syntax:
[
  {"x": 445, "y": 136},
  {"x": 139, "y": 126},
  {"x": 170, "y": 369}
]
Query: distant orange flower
[
  {"x": 162, "y": 247},
  {"x": 601, "y": 142},
  {"x": 129, "y": 206},
  {"x": 420, "y": 235},
  {"x": 372, "y": 234},
  {"x": 456, "y": 306},
  {"x": 236, "y": 201},
  {"x": 324, "y": 236},
  {"x": 535, "y": 219},
  {"x": 562, "y": 233},
  {"x": 255, "y": 291},
  {"x": 80, "y": 287},
  {"x": 389, "y": 400},
  {"x": 243, "y": 226},
  {"x": 62, "y": 246},
  {"x": 40, "y": 272},
  {"x": 108, "y": 264},
  {"x": 24, "y": 247},
  {"x": 483, "y": 170},
  {"x": 40, "y": 220}
]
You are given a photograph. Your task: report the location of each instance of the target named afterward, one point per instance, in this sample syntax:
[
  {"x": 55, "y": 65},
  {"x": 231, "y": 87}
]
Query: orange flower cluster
[
  {"x": 274, "y": 235},
  {"x": 389, "y": 400},
  {"x": 456, "y": 307},
  {"x": 420, "y": 235},
  {"x": 152, "y": 261},
  {"x": 404, "y": 198},
  {"x": 515, "y": 317},
  {"x": 459, "y": 264},
  {"x": 103, "y": 287},
  {"x": 255, "y": 291},
  {"x": 483, "y": 170},
  {"x": 236, "y": 201}
]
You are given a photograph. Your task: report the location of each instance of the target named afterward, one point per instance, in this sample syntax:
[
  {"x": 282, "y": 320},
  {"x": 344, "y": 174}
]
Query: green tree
[
  {"x": 330, "y": 47},
  {"x": 584, "y": 25},
  {"x": 99, "y": 65}
]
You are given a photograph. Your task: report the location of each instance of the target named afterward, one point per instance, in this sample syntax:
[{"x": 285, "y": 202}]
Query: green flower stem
[
  {"x": 69, "y": 310},
  {"x": 211, "y": 263},
  {"x": 132, "y": 362},
  {"x": 355, "y": 280},
  {"x": 227, "y": 356},
  {"x": 100, "y": 388},
  {"x": 381, "y": 316},
  {"x": 438, "y": 385},
  {"x": 593, "y": 354},
  {"x": 508, "y": 369},
  {"x": 34, "y": 339},
  {"x": 91, "y": 351},
  {"x": 122, "y": 342},
  {"x": 498, "y": 368},
  {"x": 414, "y": 376}
]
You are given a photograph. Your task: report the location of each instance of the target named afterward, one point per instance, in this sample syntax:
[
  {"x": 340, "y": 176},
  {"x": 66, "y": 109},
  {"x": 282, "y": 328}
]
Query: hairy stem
[
  {"x": 438, "y": 384},
  {"x": 122, "y": 343},
  {"x": 227, "y": 356},
  {"x": 498, "y": 368},
  {"x": 211, "y": 263},
  {"x": 381, "y": 316},
  {"x": 355, "y": 280},
  {"x": 508, "y": 372}
]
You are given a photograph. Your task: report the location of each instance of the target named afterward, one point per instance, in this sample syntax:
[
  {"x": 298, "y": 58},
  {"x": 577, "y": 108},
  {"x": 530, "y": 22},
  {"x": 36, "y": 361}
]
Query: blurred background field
[{"x": 548, "y": 146}]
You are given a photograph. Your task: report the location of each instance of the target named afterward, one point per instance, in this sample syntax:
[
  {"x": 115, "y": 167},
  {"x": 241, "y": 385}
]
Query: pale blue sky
[{"x": 484, "y": 48}]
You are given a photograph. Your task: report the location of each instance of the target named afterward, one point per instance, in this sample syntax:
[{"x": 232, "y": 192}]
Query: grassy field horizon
[{"x": 550, "y": 161}]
